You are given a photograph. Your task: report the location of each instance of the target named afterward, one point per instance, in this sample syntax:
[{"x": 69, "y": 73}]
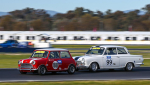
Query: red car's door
[
  {"x": 54, "y": 63},
  {"x": 66, "y": 59}
]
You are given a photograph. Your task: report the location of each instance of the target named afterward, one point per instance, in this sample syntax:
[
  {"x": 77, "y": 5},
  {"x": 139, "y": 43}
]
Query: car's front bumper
[
  {"x": 26, "y": 69},
  {"x": 82, "y": 67}
]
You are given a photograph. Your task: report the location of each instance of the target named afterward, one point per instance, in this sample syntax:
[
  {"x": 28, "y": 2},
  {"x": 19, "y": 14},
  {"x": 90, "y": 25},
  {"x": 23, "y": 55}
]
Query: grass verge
[{"x": 116, "y": 82}]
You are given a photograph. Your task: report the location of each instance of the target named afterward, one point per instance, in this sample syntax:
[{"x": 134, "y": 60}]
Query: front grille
[
  {"x": 79, "y": 63},
  {"x": 26, "y": 65}
]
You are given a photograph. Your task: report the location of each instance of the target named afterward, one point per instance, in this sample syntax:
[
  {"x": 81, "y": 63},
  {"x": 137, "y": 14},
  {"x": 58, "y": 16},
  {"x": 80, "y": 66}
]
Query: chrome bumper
[
  {"x": 30, "y": 69},
  {"x": 139, "y": 63},
  {"x": 82, "y": 67}
]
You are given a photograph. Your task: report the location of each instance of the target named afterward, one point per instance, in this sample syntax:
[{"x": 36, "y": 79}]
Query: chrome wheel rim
[
  {"x": 43, "y": 70},
  {"x": 129, "y": 66},
  {"x": 94, "y": 66},
  {"x": 72, "y": 69}
]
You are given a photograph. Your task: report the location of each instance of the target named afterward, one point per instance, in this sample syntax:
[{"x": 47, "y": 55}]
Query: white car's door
[{"x": 111, "y": 59}]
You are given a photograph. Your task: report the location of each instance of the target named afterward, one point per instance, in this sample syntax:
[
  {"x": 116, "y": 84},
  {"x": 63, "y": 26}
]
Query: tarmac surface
[{"x": 13, "y": 75}]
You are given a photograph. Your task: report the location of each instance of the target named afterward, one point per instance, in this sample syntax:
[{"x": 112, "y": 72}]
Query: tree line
[{"x": 80, "y": 19}]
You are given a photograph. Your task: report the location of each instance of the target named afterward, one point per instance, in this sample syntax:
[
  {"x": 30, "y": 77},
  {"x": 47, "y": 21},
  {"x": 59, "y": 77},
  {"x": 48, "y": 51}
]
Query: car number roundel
[{"x": 55, "y": 65}]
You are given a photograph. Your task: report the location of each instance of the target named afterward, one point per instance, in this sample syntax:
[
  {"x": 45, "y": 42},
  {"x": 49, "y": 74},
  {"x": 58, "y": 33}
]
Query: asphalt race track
[{"x": 12, "y": 75}]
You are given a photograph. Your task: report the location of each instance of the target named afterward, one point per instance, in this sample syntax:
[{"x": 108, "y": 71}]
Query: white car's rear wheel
[
  {"x": 93, "y": 67},
  {"x": 129, "y": 67}
]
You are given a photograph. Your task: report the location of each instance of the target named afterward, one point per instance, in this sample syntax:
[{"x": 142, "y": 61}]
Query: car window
[
  {"x": 54, "y": 54},
  {"x": 40, "y": 54},
  {"x": 64, "y": 54},
  {"x": 16, "y": 41},
  {"x": 6, "y": 41},
  {"x": 121, "y": 51},
  {"x": 96, "y": 50},
  {"x": 110, "y": 51}
]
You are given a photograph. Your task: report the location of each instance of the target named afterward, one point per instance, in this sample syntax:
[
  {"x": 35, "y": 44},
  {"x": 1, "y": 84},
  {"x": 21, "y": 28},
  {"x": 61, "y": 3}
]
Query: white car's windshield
[
  {"x": 96, "y": 50},
  {"x": 40, "y": 54}
]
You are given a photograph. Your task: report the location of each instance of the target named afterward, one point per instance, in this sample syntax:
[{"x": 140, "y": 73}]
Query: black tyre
[
  {"x": 93, "y": 67},
  {"x": 129, "y": 67},
  {"x": 77, "y": 69},
  {"x": 34, "y": 72},
  {"x": 22, "y": 72},
  {"x": 41, "y": 70},
  {"x": 71, "y": 69}
]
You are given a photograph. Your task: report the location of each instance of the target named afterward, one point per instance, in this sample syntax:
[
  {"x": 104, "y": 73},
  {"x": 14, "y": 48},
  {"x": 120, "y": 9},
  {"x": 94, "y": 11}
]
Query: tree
[
  {"x": 108, "y": 12},
  {"x": 7, "y": 23},
  {"x": 109, "y": 24},
  {"x": 21, "y": 26},
  {"x": 147, "y": 9},
  {"x": 146, "y": 24},
  {"x": 37, "y": 25},
  {"x": 79, "y": 11},
  {"x": 88, "y": 22}
]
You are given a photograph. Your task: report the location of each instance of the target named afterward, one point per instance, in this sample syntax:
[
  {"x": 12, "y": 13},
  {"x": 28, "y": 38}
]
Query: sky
[{"x": 63, "y": 6}]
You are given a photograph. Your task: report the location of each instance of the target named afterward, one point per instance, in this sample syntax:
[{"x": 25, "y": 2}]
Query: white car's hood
[{"x": 84, "y": 56}]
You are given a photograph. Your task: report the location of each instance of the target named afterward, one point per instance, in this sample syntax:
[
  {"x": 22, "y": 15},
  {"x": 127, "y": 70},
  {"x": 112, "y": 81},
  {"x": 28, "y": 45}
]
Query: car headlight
[
  {"x": 32, "y": 62},
  {"x": 83, "y": 60},
  {"x": 19, "y": 62}
]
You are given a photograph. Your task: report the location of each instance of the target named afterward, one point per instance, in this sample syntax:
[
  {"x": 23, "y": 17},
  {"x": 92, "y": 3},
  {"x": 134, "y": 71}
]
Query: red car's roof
[{"x": 53, "y": 49}]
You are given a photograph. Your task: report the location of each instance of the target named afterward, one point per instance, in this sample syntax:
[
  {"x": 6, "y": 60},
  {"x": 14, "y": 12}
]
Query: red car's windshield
[{"x": 40, "y": 54}]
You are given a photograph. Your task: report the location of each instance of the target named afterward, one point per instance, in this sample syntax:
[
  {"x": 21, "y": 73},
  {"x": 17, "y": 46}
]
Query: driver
[{"x": 45, "y": 55}]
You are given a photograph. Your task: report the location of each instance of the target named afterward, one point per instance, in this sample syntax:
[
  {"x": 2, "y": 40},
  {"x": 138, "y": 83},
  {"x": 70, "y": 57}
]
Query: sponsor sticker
[
  {"x": 40, "y": 51},
  {"x": 59, "y": 61},
  {"x": 108, "y": 57},
  {"x": 109, "y": 60},
  {"x": 96, "y": 48}
]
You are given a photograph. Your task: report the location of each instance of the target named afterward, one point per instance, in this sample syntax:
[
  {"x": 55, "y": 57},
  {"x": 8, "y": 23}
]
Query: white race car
[{"x": 108, "y": 57}]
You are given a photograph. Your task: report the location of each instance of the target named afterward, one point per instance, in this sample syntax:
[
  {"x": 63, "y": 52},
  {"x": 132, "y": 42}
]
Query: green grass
[
  {"x": 145, "y": 55},
  {"x": 11, "y": 61},
  {"x": 88, "y": 46},
  {"x": 146, "y": 62},
  {"x": 116, "y": 82}
]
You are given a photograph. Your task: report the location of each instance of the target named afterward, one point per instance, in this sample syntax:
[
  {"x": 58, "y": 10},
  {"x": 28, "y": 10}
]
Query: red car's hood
[{"x": 29, "y": 59}]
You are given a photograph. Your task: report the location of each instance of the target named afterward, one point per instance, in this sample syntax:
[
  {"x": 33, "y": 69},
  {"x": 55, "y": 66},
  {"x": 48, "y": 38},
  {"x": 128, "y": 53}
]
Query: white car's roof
[
  {"x": 53, "y": 49},
  {"x": 108, "y": 46}
]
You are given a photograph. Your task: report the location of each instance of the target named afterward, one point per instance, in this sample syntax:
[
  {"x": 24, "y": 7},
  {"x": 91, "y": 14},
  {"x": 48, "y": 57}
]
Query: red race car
[{"x": 48, "y": 60}]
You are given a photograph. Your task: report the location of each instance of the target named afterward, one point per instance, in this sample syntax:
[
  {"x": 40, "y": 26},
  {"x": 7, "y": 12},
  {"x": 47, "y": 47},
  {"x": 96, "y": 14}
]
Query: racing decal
[
  {"x": 108, "y": 60},
  {"x": 96, "y": 48},
  {"x": 40, "y": 51},
  {"x": 55, "y": 65},
  {"x": 59, "y": 61}
]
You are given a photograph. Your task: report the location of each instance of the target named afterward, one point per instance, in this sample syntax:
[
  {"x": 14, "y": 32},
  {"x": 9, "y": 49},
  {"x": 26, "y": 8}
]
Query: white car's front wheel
[
  {"x": 129, "y": 67},
  {"x": 93, "y": 67}
]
